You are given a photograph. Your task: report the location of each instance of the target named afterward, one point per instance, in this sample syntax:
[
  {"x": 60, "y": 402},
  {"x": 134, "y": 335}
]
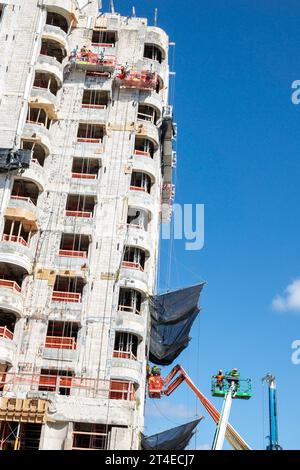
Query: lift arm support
[{"x": 179, "y": 375}]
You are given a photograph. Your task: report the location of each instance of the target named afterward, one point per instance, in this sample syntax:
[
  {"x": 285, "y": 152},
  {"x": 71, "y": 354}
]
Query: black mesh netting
[
  {"x": 14, "y": 159},
  {"x": 173, "y": 439},
  {"x": 172, "y": 316}
]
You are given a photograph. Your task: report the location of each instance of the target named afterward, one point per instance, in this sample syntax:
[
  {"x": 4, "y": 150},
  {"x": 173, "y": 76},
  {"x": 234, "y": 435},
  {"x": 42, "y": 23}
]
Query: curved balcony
[
  {"x": 17, "y": 253},
  {"x": 10, "y": 297},
  {"x": 137, "y": 279},
  {"x": 23, "y": 209},
  {"x": 66, "y": 8},
  {"x": 131, "y": 323},
  {"x": 36, "y": 173},
  {"x": 158, "y": 37},
  {"x": 57, "y": 34},
  {"x": 126, "y": 369},
  {"x": 39, "y": 134},
  {"x": 146, "y": 165},
  {"x": 152, "y": 99},
  {"x": 147, "y": 129},
  {"x": 48, "y": 64},
  {"x": 7, "y": 347},
  {"x": 140, "y": 199},
  {"x": 46, "y": 99},
  {"x": 138, "y": 237}
]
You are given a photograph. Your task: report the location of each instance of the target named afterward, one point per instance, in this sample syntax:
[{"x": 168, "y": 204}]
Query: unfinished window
[
  {"x": 134, "y": 258},
  {"x": 95, "y": 99},
  {"x": 80, "y": 206},
  {"x": 92, "y": 133},
  {"x": 140, "y": 182},
  {"x": 19, "y": 436},
  {"x": 130, "y": 301},
  {"x": 85, "y": 168},
  {"x": 153, "y": 52},
  {"x": 61, "y": 335},
  {"x": 7, "y": 324},
  {"x": 121, "y": 390},
  {"x": 53, "y": 49},
  {"x": 104, "y": 38},
  {"x": 74, "y": 246},
  {"x": 55, "y": 19},
  {"x": 38, "y": 116},
  {"x": 144, "y": 147},
  {"x": 126, "y": 345},
  {"x": 46, "y": 81},
  {"x": 57, "y": 381},
  {"x": 147, "y": 113},
  {"x": 39, "y": 153},
  {"x": 68, "y": 289},
  {"x": 137, "y": 218},
  {"x": 88, "y": 436},
  {"x": 1, "y": 11},
  {"x": 15, "y": 231},
  {"x": 11, "y": 276},
  {"x": 24, "y": 190}
]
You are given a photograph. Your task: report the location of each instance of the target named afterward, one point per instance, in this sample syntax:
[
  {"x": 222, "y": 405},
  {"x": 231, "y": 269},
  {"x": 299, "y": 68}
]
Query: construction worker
[
  {"x": 234, "y": 376},
  {"x": 220, "y": 380},
  {"x": 155, "y": 383},
  {"x": 84, "y": 52},
  {"x": 155, "y": 370}
]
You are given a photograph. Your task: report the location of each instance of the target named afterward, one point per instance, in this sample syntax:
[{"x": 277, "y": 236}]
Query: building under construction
[{"x": 86, "y": 163}]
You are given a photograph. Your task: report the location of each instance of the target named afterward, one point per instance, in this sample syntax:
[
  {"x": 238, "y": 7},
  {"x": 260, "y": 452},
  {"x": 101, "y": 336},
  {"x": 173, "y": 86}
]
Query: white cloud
[{"x": 290, "y": 300}]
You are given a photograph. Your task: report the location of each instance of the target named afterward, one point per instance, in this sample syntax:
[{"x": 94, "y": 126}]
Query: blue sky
[{"x": 238, "y": 153}]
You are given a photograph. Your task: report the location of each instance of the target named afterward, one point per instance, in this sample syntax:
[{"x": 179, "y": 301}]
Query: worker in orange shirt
[
  {"x": 220, "y": 380},
  {"x": 155, "y": 383}
]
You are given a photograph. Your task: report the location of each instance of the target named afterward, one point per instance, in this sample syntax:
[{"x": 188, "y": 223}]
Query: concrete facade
[{"x": 69, "y": 250}]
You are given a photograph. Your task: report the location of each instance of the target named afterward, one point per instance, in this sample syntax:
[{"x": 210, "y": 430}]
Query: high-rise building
[{"x": 85, "y": 181}]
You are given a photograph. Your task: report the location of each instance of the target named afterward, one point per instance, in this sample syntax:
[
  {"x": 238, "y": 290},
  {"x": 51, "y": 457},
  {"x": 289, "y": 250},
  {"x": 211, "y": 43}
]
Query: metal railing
[
  {"x": 6, "y": 333},
  {"x": 73, "y": 253},
  {"x": 85, "y": 176},
  {"x": 88, "y": 140},
  {"x": 128, "y": 308},
  {"x": 60, "y": 342},
  {"x": 124, "y": 355},
  {"x": 74, "y": 386},
  {"x": 58, "y": 296},
  {"x": 14, "y": 238},
  {"x": 87, "y": 215},
  {"x": 142, "y": 152},
  {"x": 139, "y": 188},
  {"x": 10, "y": 285},
  {"x": 132, "y": 265},
  {"x": 93, "y": 106},
  {"x": 22, "y": 198}
]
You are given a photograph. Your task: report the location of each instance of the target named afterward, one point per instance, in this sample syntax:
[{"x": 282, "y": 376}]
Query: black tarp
[
  {"x": 173, "y": 439},
  {"x": 14, "y": 159},
  {"x": 172, "y": 316}
]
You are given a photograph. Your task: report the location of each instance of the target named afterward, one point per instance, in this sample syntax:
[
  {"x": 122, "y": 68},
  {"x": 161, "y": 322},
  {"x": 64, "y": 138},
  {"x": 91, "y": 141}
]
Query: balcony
[
  {"x": 66, "y": 8},
  {"x": 80, "y": 206},
  {"x": 103, "y": 39},
  {"x": 38, "y": 123},
  {"x": 60, "y": 342},
  {"x": 141, "y": 80},
  {"x": 44, "y": 92},
  {"x": 22, "y": 203},
  {"x": 140, "y": 182},
  {"x": 68, "y": 289},
  {"x": 137, "y": 219},
  {"x": 14, "y": 247},
  {"x": 85, "y": 175},
  {"x": 134, "y": 258},
  {"x": 94, "y": 105},
  {"x": 130, "y": 301},
  {"x": 55, "y": 33},
  {"x": 73, "y": 251},
  {"x": 90, "y": 133},
  {"x": 7, "y": 346},
  {"x": 39, "y": 153},
  {"x": 11, "y": 278},
  {"x": 144, "y": 147},
  {"x": 49, "y": 64},
  {"x": 54, "y": 49}
]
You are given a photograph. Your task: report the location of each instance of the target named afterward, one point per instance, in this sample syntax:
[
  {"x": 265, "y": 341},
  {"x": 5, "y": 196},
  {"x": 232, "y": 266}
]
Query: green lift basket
[{"x": 243, "y": 392}]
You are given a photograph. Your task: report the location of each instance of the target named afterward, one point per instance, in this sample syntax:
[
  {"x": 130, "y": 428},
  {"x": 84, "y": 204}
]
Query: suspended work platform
[{"x": 243, "y": 388}]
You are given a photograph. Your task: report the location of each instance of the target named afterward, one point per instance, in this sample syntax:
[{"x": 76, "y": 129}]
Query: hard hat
[
  {"x": 220, "y": 370},
  {"x": 235, "y": 369}
]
